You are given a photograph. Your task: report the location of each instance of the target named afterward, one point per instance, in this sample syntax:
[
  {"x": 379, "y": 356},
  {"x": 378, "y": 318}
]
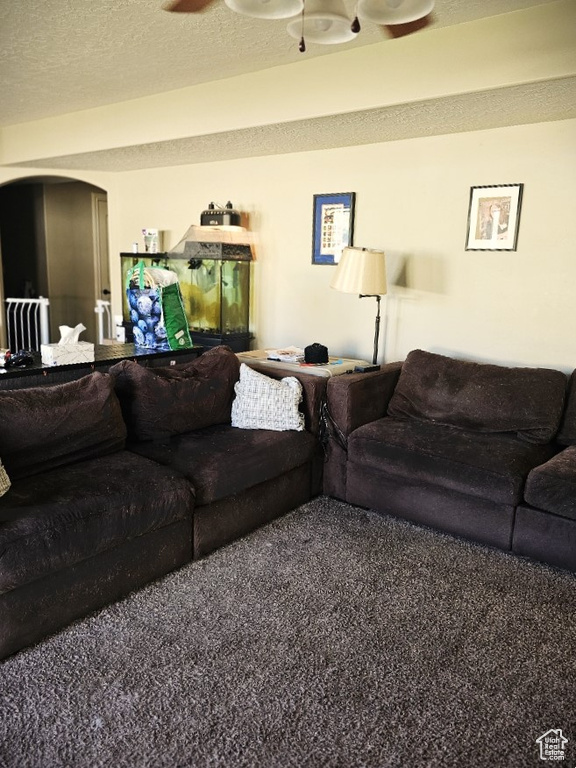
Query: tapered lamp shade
[{"x": 361, "y": 271}]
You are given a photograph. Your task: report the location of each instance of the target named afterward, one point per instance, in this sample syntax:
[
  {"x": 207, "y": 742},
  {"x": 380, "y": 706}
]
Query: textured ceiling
[
  {"x": 534, "y": 102},
  {"x": 59, "y": 56}
]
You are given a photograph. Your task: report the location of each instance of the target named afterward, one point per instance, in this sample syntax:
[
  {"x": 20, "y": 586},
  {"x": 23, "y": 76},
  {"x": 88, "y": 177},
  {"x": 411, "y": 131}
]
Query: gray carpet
[{"x": 334, "y": 637}]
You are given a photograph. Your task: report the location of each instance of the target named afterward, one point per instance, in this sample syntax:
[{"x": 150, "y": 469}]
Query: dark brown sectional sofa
[
  {"x": 545, "y": 524},
  {"x": 120, "y": 477},
  {"x": 482, "y": 451}
]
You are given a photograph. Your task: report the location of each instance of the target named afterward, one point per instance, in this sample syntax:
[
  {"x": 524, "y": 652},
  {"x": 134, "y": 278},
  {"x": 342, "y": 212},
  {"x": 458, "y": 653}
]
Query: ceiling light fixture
[
  {"x": 266, "y": 9},
  {"x": 324, "y": 21}
]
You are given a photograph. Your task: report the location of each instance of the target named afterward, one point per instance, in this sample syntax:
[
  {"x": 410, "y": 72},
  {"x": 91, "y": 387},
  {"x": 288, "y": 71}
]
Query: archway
[{"x": 54, "y": 243}]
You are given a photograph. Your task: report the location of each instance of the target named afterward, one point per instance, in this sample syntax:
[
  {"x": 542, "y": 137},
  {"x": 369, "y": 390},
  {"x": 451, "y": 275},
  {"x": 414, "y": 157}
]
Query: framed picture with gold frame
[
  {"x": 493, "y": 217},
  {"x": 333, "y": 226}
]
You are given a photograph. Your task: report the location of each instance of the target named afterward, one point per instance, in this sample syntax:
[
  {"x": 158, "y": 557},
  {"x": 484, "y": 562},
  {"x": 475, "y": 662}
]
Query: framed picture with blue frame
[{"x": 333, "y": 226}]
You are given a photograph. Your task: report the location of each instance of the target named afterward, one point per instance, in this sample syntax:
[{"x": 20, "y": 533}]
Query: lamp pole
[{"x": 376, "y": 324}]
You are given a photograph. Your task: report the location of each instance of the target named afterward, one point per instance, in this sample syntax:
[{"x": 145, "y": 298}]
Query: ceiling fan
[{"x": 325, "y": 21}]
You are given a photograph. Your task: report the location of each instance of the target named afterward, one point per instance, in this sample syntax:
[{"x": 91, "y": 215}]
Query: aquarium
[{"x": 215, "y": 285}]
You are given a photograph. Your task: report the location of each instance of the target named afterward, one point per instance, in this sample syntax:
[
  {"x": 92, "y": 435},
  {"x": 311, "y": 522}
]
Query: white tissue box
[{"x": 67, "y": 354}]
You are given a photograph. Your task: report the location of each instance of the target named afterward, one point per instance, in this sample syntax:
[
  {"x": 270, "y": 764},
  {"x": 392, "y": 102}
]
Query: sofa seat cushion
[
  {"x": 527, "y": 402},
  {"x": 488, "y": 466},
  {"x": 552, "y": 486},
  {"x": 53, "y": 520},
  {"x": 221, "y": 460}
]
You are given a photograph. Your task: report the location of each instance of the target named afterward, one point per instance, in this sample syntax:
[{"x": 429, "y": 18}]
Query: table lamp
[{"x": 363, "y": 271}]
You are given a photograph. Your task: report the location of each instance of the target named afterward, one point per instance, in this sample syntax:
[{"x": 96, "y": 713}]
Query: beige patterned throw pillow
[
  {"x": 4, "y": 480},
  {"x": 265, "y": 403}
]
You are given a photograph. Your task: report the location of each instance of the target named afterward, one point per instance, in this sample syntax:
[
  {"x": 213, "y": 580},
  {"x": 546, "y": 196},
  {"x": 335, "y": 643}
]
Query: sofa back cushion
[
  {"x": 46, "y": 427},
  {"x": 160, "y": 402},
  {"x": 479, "y": 396},
  {"x": 567, "y": 433}
]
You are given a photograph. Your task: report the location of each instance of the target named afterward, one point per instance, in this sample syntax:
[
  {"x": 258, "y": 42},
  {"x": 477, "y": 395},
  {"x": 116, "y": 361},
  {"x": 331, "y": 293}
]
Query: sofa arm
[
  {"x": 351, "y": 401},
  {"x": 359, "y": 398}
]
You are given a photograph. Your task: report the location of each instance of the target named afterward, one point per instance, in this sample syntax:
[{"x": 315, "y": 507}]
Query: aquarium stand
[{"x": 238, "y": 342}]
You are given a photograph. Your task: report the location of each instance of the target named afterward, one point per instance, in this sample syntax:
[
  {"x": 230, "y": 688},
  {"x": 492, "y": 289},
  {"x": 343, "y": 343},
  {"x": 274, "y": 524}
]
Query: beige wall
[{"x": 412, "y": 201}]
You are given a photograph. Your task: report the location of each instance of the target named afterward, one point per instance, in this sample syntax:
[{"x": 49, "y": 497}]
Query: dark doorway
[{"x": 51, "y": 243}]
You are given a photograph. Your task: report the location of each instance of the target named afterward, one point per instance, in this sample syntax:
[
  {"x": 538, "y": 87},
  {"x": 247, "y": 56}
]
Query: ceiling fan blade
[
  {"x": 187, "y": 6},
  {"x": 401, "y": 30}
]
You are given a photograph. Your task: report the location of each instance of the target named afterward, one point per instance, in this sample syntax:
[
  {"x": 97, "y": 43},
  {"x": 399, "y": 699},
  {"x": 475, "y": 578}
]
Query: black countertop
[{"x": 104, "y": 355}]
